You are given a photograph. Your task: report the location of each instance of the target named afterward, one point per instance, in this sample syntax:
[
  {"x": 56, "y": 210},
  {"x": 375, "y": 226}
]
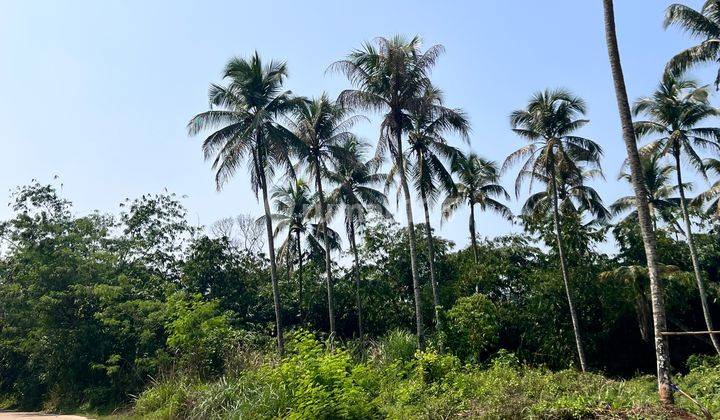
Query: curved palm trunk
[
  {"x": 431, "y": 258},
  {"x": 412, "y": 240},
  {"x": 662, "y": 353},
  {"x": 301, "y": 300},
  {"x": 566, "y": 276},
  {"x": 356, "y": 272},
  {"x": 260, "y": 170},
  {"x": 693, "y": 254},
  {"x": 326, "y": 240}
]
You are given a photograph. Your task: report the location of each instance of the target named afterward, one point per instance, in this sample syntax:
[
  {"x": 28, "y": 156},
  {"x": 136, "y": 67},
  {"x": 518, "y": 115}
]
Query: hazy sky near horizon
[{"x": 99, "y": 93}]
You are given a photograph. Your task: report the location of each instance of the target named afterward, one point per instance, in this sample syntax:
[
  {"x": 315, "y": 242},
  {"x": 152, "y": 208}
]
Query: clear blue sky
[{"x": 99, "y": 92}]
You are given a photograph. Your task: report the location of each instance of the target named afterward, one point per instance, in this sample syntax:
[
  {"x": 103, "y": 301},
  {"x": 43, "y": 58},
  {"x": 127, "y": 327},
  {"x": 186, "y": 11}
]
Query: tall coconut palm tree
[
  {"x": 292, "y": 203},
  {"x": 355, "y": 179},
  {"x": 391, "y": 77},
  {"x": 244, "y": 122},
  {"x": 660, "y": 194},
  {"x": 673, "y": 113},
  {"x": 478, "y": 184},
  {"x": 712, "y": 195},
  {"x": 426, "y": 158},
  {"x": 662, "y": 352},
  {"x": 319, "y": 126},
  {"x": 549, "y": 122},
  {"x": 703, "y": 24}
]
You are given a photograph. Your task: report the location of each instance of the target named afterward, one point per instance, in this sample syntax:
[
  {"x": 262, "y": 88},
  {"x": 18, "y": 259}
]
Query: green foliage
[
  {"x": 473, "y": 327},
  {"x": 198, "y": 335},
  {"x": 93, "y": 307},
  {"x": 397, "y": 346},
  {"x": 312, "y": 382}
]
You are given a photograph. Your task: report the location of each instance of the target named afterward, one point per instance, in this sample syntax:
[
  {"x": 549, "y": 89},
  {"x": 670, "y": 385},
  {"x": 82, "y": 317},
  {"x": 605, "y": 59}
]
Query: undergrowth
[{"x": 395, "y": 380}]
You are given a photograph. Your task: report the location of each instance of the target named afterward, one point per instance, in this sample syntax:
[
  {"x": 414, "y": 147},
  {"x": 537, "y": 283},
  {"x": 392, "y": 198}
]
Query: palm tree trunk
[
  {"x": 356, "y": 272},
  {"x": 326, "y": 241},
  {"x": 473, "y": 234},
  {"x": 473, "y": 240},
  {"x": 288, "y": 262},
  {"x": 693, "y": 253},
  {"x": 260, "y": 170},
  {"x": 411, "y": 235},
  {"x": 662, "y": 353},
  {"x": 301, "y": 300},
  {"x": 654, "y": 222},
  {"x": 431, "y": 258},
  {"x": 566, "y": 275}
]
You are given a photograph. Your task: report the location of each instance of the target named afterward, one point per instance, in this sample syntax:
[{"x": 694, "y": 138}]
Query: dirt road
[{"x": 19, "y": 415}]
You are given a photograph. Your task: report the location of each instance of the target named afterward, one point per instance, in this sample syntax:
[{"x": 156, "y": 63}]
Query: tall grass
[{"x": 397, "y": 381}]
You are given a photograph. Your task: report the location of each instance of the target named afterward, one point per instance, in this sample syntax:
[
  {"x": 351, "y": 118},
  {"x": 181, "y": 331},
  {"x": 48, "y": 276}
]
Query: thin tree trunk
[
  {"x": 654, "y": 222},
  {"x": 260, "y": 170},
  {"x": 431, "y": 259},
  {"x": 566, "y": 275},
  {"x": 356, "y": 272},
  {"x": 473, "y": 234},
  {"x": 641, "y": 309},
  {"x": 301, "y": 300},
  {"x": 473, "y": 240},
  {"x": 288, "y": 262},
  {"x": 662, "y": 353},
  {"x": 411, "y": 234},
  {"x": 693, "y": 254},
  {"x": 326, "y": 240}
]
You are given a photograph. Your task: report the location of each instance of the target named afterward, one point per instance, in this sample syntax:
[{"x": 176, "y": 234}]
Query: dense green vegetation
[
  {"x": 142, "y": 311},
  {"x": 96, "y": 306}
]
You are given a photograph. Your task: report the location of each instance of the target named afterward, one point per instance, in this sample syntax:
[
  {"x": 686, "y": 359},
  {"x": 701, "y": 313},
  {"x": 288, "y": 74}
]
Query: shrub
[
  {"x": 473, "y": 327},
  {"x": 198, "y": 334},
  {"x": 396, "y": 346}
]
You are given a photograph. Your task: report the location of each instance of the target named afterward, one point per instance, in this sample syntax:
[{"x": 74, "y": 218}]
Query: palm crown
[
  {"x": 661, "y": 199},
  {"x": 674, "y": 111},
  {"x": 549, "y": 122},
  {"x": 428, "y": 149},
  {"x": 320, "y": 126},
  {"x": 712, "y": 195},
  {"x": 703, "y": 24},
  {"x": 574, "y": 197},
  {"x": 354, "y": 181},
  {"x": 292, "y": 203},
  {"x": 244, "y": 123},
  {"x": 390, "y": 78},
  {"x": 477, "y": 185}
]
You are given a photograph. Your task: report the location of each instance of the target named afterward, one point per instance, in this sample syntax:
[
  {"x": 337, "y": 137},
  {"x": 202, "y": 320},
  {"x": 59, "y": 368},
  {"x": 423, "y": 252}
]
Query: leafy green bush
[
  {"x": 311, "y": 382},
  {"x": 321, "y": 381},
  {"x": 473, "y": 327},
  {"x": 198, "y": 333}
]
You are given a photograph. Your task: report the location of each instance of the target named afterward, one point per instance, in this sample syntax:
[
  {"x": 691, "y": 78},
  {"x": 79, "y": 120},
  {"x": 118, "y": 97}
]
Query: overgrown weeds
[{"x": 398, "y": 381}]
